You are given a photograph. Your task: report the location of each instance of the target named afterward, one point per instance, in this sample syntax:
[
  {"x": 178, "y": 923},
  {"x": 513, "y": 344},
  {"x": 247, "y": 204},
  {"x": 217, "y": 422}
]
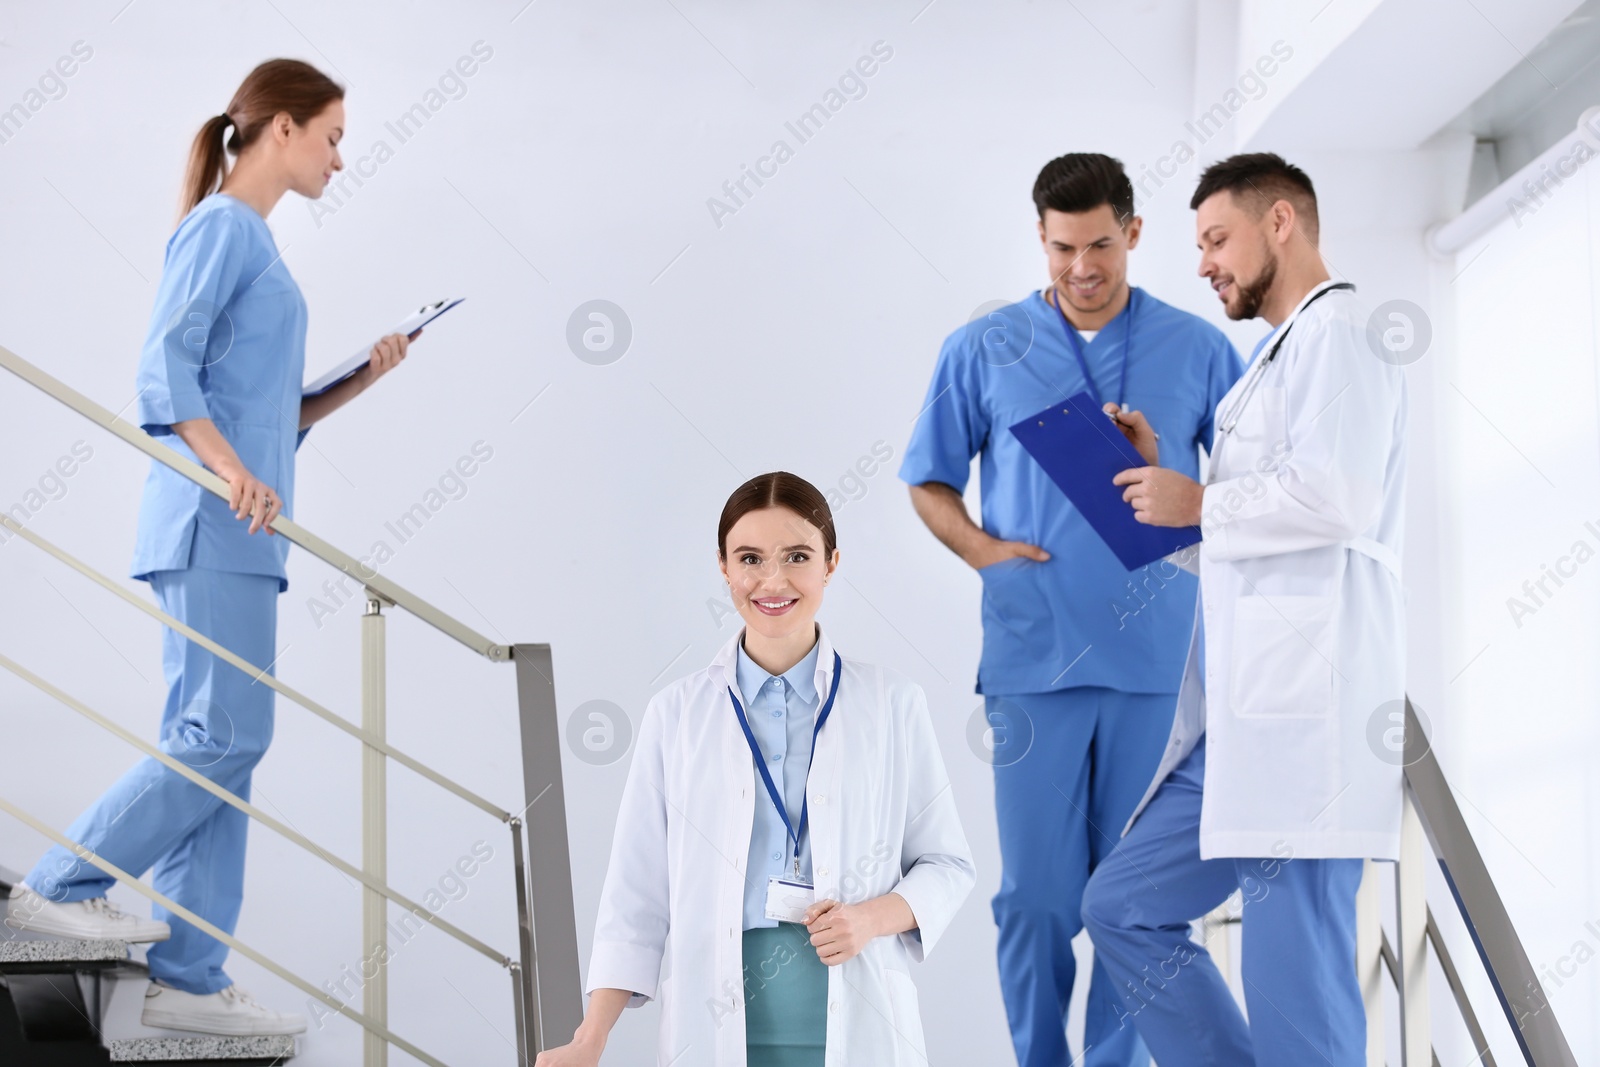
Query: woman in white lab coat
[{"x": 703, "y": 857}]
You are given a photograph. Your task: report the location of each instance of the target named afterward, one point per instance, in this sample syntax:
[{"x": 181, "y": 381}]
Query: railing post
[
  {"x": 552, "y": 992},
  {"x": 1369, "y": 960},
  {"x": 1215, "y": 937},
  {"x": 1411, "y": 940},
  {"x": 522, "y": 977},
  {"x": 374, "y": 830}
]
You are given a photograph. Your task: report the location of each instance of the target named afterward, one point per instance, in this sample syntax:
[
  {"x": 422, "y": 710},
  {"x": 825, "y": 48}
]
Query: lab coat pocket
[
  {"x": 907, "y": 1017},
  {"x": 1283, "y": 653}
]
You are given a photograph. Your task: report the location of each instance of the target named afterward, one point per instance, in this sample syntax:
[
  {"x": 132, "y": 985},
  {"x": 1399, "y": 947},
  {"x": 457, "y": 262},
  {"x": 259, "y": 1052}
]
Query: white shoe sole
[
  {"x": 39, "y": 924},
  {"x": 219, "y": 1027}
]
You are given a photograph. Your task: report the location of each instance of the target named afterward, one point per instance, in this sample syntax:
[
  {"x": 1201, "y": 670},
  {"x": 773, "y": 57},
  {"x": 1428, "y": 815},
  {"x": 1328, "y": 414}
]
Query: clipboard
[
  {"x": 1081, "y": 450},
  {"x": 408, "y": 326}
]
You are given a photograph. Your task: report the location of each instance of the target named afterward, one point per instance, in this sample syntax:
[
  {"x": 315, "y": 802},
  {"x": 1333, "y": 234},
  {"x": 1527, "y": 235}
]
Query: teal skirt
[{"x": 785, "y": 997}]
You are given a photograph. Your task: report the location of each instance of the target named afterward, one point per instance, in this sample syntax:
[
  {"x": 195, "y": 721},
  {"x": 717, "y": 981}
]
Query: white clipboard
[{"x": 408, "y": 326}]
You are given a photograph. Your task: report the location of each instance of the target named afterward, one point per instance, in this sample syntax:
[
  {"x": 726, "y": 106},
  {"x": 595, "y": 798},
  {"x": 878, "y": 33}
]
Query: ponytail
[
  {"x": 275, "y": 87},
  {"x": 208, "y": 163}
]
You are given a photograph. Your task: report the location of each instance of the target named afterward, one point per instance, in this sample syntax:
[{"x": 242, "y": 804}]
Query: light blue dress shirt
[
  {"x": 782, "y": 712},
  {"x": 226, "y": 341},
  {"x": 1081, "y": 618}
]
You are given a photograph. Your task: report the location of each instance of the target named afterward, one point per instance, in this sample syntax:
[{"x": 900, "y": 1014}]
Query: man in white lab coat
[{"x": 1268, "y": 783}]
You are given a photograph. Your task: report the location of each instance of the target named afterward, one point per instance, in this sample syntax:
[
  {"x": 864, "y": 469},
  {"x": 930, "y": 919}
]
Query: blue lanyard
[
  {"x": 766, "y": 776},
  {"x": 1075, "y": 343}
]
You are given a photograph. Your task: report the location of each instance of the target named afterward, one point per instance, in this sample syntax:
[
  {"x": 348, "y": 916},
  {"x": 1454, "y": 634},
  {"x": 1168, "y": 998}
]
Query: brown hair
[
  {"x": 1082, "y": 181},
  {"x": 782, "y": 490},
  {"x": 276, "y": 86},
  {"x": 1258, "y": 180}
]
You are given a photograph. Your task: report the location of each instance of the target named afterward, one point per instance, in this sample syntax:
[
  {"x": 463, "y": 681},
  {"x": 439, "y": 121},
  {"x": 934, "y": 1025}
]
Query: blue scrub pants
[
  {"x": 1069, "y": 768},
  {"x": 1299, "y": 959},
  {"x": 218, "y": 720}
]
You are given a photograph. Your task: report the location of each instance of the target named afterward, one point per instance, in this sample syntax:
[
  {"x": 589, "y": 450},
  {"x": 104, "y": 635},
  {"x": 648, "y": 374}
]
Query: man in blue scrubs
[{"x": 1081, "y": 658}]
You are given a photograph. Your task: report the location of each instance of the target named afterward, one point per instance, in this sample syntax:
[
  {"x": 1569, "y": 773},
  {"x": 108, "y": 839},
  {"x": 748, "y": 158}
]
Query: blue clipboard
[{"x": 1081, "y": 451}]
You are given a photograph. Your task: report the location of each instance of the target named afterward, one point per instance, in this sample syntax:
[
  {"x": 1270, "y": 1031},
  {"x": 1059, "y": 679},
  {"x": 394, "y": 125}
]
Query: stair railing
[
  {"x": 544, "y": 972},
  {"x": 1433, "y": 823},
  {"x": 1432, "y": 829}
]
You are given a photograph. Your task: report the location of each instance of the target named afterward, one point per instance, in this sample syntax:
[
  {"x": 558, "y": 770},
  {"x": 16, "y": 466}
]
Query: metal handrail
[
  {"x": 296, "y": 533},
  {"x": 546, "y": 997},
  {"x": 259, "y": 674},
  {"x": 1429, "y": 803},
  {"x": 232, "y": 942},
  {"x": 1458, "y": 989},
  {"x": 1515, "y": 981},
  {"x": 233, "y": 800},
  {"x": 1391, "y": 965}
]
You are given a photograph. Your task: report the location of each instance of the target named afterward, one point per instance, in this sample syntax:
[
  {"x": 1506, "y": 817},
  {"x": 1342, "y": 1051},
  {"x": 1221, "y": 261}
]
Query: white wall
[{"x": 1521, "y": 423}]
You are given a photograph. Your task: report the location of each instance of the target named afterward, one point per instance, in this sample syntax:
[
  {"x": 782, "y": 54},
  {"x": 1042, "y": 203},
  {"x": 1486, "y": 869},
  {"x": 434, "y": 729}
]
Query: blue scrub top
[
  {"x": 781, "y": 710},
  {"x": 227, "y": 341},
  {"x": 1081, "y": 618}
]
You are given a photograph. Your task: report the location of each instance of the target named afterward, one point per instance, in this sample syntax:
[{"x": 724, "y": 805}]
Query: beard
[{"x": 1254, "y": 292}]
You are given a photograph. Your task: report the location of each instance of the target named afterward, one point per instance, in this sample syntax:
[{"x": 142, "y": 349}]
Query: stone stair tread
[
  {"x": 200, "y": 1047},
  {"x": 45, "y": 949}
]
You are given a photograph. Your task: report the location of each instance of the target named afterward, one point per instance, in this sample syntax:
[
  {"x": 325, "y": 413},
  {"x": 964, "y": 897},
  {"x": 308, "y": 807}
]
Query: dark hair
[
  {"x": 782, "y": 490},
  {"x": 1082, "y": 181},
  {"x": 1258, "y": 180},
  {"x": 276, "y": 86}
]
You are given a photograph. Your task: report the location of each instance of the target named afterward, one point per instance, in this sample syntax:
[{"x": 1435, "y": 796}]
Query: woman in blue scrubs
[{"x": 219, "y": 382}]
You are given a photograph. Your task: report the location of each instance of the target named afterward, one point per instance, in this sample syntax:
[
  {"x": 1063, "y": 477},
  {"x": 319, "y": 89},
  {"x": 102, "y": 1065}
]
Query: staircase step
[
  {"x": 264, "y": 1050},
  {"x": 32, "y": 947},
  {"x": 25, "y": 948}
]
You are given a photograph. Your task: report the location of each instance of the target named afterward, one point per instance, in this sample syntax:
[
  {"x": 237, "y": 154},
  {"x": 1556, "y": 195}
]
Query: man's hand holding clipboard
[
  {"x": 1103, "y": 459},
  {"x": 1159, "y": 497}
]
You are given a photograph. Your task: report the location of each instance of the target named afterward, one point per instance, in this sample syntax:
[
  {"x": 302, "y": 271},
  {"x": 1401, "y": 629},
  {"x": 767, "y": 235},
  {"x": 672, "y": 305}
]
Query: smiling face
[
  {"x": 1238, "y": 253},
  {"x": 310, "y": 153},
  {"x": 1088, "y": 254},
  {"x": 776, "y": 568}
]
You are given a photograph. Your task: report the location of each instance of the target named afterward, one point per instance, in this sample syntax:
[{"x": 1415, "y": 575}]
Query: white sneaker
[
  {"x": 230, "y": 1013},
  {"x": 85, "y": 920}
]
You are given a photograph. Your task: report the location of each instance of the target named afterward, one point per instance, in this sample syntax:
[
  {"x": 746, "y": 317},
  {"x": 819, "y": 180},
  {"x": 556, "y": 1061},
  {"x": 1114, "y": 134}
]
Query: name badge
[{"x": 788, "y": 899}]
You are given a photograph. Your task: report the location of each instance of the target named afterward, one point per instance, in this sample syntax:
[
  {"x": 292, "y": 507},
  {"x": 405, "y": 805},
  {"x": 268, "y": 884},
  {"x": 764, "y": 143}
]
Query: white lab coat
[
  {"x": 882, "y": 819},
  {"x": 1301, "y": 603}
]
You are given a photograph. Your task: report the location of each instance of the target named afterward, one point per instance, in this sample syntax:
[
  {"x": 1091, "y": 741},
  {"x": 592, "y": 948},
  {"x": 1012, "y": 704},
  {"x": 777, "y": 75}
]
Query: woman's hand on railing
[
  {"x": 251, "y": 498},
  {"x": 573, "y": 1055},
  {"x": 248, "y": 496}
]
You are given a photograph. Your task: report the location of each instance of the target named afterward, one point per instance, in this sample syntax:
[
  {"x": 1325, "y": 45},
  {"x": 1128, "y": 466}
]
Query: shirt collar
[
  {"x": 812, "y": 675},
  {"x": 1285, "y": 324},
  {"x": 1134, "y": 295}
]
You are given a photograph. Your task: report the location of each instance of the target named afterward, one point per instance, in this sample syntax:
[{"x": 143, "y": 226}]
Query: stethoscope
[{"x": 1259, "y": 371}]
